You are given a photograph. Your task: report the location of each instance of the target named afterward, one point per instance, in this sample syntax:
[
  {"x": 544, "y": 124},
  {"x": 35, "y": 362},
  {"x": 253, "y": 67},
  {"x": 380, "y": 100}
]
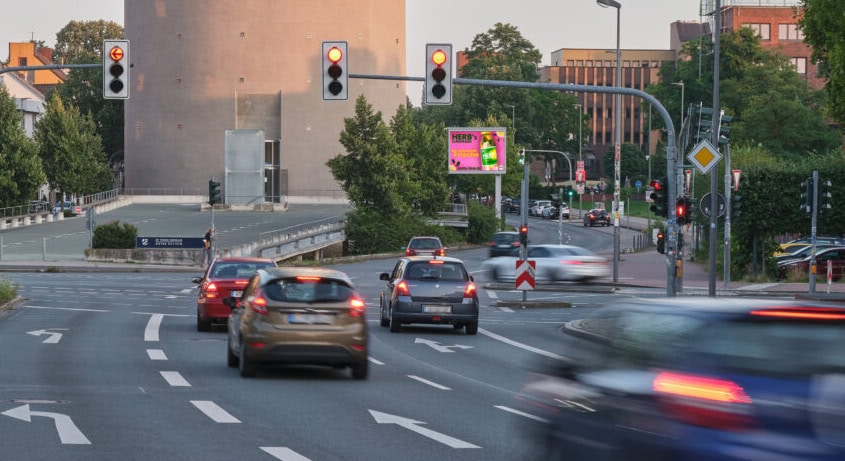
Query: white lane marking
[
  {"x": 506, "y": 309},
  {"x": 377, "y": 362},
  {"x": 430, "y": 383},
  {"x": 174, "y": 379},
  {"x": 68, "y": 432},
  {"x": 53, "y": 336},
  {"x": 156, "y": 354},
  {"x": 521, "y": 413},
  {"x": 151, "y": 332},
  {"x": 186, "y": 290},
  {"x": 526, "y": 347},
  {"x": 284, "y": 454},
  {"x": 413, "y": 425},
  {"x": 492, "y": 294},
  {"x": 67, "y": 309},
  {"x": 213, "y": 411}
]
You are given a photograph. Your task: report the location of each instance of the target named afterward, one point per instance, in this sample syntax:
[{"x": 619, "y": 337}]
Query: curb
[
  {"x": 11, "y": 304},
  {"x": 531, "y": 304}
]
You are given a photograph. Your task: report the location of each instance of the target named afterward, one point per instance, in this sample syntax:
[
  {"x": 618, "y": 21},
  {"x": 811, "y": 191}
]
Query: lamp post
[
  {"x": 681, "y": 123},
  {"x": 617, "y": 138},
  {"x": 580, "y": 159}
]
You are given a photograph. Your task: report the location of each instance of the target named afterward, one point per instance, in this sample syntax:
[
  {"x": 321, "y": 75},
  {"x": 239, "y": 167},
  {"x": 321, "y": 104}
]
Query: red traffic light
[
  {"x": 334, "y": 55},
  {"x": 656, "y": 185},
  {"x": 523, "y": 230}
]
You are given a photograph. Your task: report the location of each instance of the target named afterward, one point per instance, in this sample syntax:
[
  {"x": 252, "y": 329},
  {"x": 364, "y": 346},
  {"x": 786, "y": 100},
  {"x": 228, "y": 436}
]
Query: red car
[{"x": 224, "y": 277}]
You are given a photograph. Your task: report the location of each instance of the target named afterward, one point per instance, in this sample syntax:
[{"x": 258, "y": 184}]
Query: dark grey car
[
  {"x": 504, "y": 244},
  {"x": 431, "y": 290}
]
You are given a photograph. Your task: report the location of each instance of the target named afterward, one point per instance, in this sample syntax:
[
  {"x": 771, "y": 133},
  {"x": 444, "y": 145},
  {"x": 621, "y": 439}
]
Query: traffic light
[
  {"x": 335, "y": 75},
  {"x": 660, "y": 200},
  {"x": 725, "y": 128},
  {"x": 523, "y": 235},
  {"x": 438, "y": 74},
  {"x": 214, "y": 194},
  {"x": 682, "y": 211},
  {"x": 807, "y": 195},
  {"x": 705, "y": 124},
  {"x": 661, "y": 242},
  {"x": 570, "y": 192},
  {"x": 736, "y": 205},
  {"x": 116, "y": 69},
  {"x": 824, "y": 195}
]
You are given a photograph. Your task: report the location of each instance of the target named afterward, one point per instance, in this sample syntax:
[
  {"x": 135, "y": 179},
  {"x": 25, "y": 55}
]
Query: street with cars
[{"x": 106, "y": 365}]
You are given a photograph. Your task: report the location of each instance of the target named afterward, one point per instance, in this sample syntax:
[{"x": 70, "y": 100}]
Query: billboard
[{"x": 477, "y": 150}]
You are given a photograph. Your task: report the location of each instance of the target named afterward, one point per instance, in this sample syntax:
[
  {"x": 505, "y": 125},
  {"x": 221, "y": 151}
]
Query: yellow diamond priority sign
[{"x": 704, "y": 156}]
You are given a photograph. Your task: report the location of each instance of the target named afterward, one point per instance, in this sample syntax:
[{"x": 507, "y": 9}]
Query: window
[
  {"x": 570, "y": 63},
  {"x": 608, "y": 63},
  {"x": 579, "y": 63},
  {"x": 636, "y": 64},
  {"x": 626, "y": 63},
  {"x": 762, "y": 30},
  {"x": 588, "y": 63},
  {"x": 800, "y": 65},
  {"x": 790, "y": 32},
  {"x": 21, "y": 62}
]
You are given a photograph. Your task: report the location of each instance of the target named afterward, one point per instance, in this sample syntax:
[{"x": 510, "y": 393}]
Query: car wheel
[
  {"x": 203, "y": 325},
  {"x": 246, "y": 366},
  {"x": 360, "y": 370},
  {"x": 394, "y": 325},
  {"x": 472, "y": 328},
  {"x": 383, "y": 321},
  {"x": 585, "y": 223},
  {"x": 231, "y": 358}
]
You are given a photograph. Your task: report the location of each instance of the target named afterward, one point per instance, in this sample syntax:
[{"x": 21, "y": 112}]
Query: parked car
[
  {"x": 425, "y": 246},
  {"x": 553, "y": 263},
  {"x": 551, "y": 212},
  {"x": 38, "y": 206},
  {"x": 504, "y": 244},
  {"x": 693, "y": 379},
  {"x": 223, "y": 277},
  {"x": 801, "y": 266},
  {"x": 429, "y": 290},
  {"x": 596, "y": 217},
  {"x": 800, "y": 251},
  {"x": 69, "y": 207},
  {"x": 298, "y": 315},
  {"x": 537, "y": 208}
]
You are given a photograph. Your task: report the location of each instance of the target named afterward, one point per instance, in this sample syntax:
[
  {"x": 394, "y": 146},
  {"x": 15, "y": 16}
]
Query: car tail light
[
  {"x": 575, "y": 262},
  {"x": 308, "y": 278},
  {"x": 803, "y": 313},
  {"x": 702, "y": 401},
  {"x": 357, "y": 307},
  {"x": 211, "y": 290},
  {"x": 440, "y": 252},
  {"x": 516, "y": 244},
  {"x": 402, "y": 289},
  {"x": 258, "y": 303},
  {"x": 410, "y": 252},
  {"x": 470, "y": 291},
  {"x": 436, "y": 261}
]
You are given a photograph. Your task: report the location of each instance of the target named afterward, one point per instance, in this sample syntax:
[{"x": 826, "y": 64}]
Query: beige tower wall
[{"x": 201, "y": 67}]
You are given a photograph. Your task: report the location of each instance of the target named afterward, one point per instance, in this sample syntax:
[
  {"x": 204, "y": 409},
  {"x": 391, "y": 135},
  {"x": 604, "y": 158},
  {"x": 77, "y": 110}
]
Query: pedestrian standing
[{"x": 208, "y": 241}]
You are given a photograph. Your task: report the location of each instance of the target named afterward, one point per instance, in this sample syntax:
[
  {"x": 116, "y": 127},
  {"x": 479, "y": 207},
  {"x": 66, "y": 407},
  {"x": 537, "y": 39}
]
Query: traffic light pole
[{"x": 726, "y": 277}]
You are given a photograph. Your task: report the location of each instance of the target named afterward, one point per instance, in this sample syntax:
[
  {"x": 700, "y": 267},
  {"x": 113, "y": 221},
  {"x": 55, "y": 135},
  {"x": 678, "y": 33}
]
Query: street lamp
[
  {"x": 617, "y": 138},
  {"x": 580, "y": 142},
  {"x": 681, "y": 123}
]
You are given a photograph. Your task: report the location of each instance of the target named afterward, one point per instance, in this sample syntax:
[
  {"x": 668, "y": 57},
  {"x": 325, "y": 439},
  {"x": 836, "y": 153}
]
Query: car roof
[
  {"x": 431, "y": 258},
  {"x": 242, "y": 259},
  {"x": 507, "y": 233},
  {"x": 294, "y": 271}
]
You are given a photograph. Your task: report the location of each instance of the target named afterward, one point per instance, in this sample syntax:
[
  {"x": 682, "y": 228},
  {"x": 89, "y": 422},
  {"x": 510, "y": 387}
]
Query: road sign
[
  {"x": 704, "y": 205},
  {"x": 525, "y": 270},
  {"x": 704, "y": 156}
]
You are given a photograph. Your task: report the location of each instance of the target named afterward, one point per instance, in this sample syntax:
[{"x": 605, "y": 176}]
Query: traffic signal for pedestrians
[
  {"x": 807, "y": 195},
  {"x": 661, "y": 242},
  {"x": 824, "y": 195},
  {"x": 659, "y": 198},
  {"x": 523, "y": 236},
  {"x": 438, "y": 74},
  {"x": 736, "y": 205},
  {"x": 116, "y": 69},
  {"x": 335, "y": 72},
  {"x": 214, "y": 194}
]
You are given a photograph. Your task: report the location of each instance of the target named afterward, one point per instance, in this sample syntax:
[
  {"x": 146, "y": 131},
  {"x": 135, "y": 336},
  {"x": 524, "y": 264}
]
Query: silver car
[{"x": 553, "y": 263}]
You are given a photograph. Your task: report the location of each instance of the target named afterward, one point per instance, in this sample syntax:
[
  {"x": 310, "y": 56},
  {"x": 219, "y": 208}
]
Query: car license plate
[
  {"x": 437, "y": 309},
  {"x": 236, "y": 294},
  {"x": 310, "y": 319}
]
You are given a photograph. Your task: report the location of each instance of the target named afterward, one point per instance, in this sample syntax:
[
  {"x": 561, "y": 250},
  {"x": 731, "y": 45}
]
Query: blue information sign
[{"x": 169, "y": 242}]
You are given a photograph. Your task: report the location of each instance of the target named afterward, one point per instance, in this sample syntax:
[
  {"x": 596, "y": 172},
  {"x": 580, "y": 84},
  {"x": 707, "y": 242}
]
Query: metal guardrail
[
  {"x": 270, "y": 237},
  {"x": 30, "y": 209}
]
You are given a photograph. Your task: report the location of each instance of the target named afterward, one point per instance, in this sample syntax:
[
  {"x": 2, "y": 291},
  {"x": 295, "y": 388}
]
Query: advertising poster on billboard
[{"x": 477, "y": 150}]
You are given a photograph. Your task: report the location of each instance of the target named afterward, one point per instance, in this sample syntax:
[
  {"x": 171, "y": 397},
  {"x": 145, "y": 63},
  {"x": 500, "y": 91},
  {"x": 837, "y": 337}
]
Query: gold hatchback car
[{"x": 298, "y": 315}]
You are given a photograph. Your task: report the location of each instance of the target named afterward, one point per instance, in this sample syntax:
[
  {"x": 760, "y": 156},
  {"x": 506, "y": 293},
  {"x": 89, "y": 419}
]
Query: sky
[{"x": 548, "y": 24}]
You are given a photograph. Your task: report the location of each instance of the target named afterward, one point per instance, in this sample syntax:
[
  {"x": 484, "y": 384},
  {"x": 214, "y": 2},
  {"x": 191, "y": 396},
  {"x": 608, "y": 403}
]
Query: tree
[
  {"x": 82, "y": 42},
  {"x": 20, "y": 168},
  {"x": 70, "y": 150},
  {"x": 823, "y": 24}
]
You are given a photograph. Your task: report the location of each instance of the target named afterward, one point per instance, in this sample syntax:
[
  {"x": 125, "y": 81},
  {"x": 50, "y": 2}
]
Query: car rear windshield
[
  {"x": 424, "y": 270},
  {"x": 308, "y": 290},
  {"x": 505, "y": 238},
  {"x": 425, "y": 244},
  {"x": 237, "y": 270}
]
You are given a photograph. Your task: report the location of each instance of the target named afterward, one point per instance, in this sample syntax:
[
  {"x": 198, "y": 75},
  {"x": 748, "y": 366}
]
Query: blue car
[{"x": 706, "y": 379}]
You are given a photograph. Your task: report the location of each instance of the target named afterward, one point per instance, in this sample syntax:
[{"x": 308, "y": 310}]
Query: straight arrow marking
[
  {"x": 413, "y": 425},
  {"x": 438, "y": 347},
  {"x": 68, "y": 432}
]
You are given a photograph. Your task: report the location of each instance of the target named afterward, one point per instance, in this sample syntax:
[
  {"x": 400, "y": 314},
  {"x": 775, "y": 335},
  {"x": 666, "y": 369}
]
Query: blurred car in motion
[
  {"x": 68, "y": 207},
  {"x": 596, "y": 217},
  {"x": 687, "y": 379},
  {"x": 504, "y": 243},
  {"x": 298, "y": 315},
  {"x": 553, "y": 212},
  {"x": 425, "y": 246},
  {"x": 429, "y": 290},
  {"x": 801, "y": 266},
  {"x": 553, "y": 263},
  {"x": 536, "y": 209},
  {"x": 223, "y": 277}
]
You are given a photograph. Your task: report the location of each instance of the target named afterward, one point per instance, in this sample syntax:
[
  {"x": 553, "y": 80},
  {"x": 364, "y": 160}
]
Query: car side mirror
[
  {"x": 384, "y": 276},
  {"x": 471, "y": 278},
  {"x": 196, "y": 280}
]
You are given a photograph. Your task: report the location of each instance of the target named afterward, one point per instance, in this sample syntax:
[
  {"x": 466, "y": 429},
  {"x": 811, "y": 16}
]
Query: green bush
[
  {"x": 115, "y": 236},
  {"x": 371, "y": 233},
  {"x": 482, "y": 223},
  {"x": 8, "y": 291}
]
